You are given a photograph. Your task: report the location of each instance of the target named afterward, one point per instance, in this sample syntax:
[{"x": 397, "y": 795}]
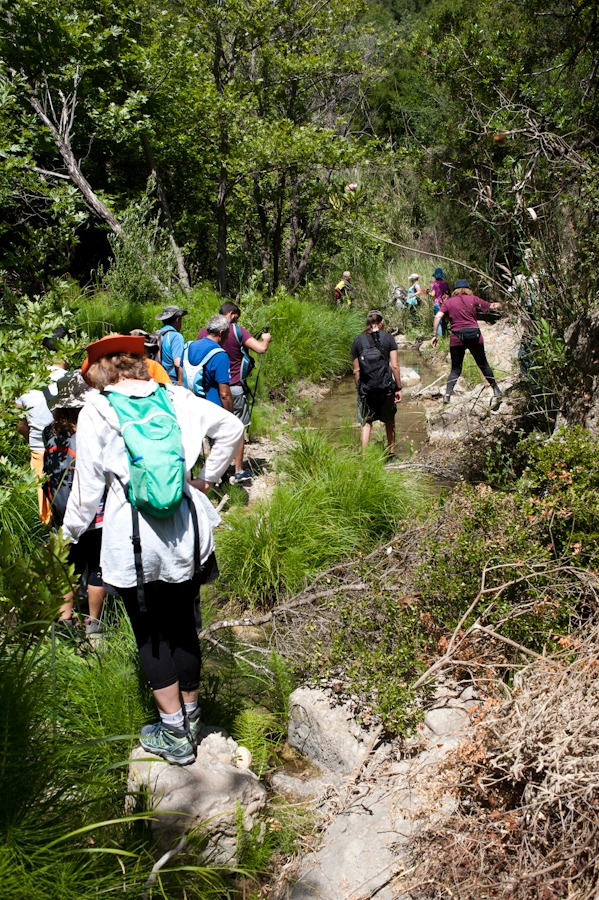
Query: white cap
[{"x": 414, "y": 277}]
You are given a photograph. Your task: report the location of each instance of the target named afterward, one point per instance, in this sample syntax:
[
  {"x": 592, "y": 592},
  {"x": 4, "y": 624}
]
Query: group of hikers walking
[
  {"x": 115, "y": 444},
  {"x": 375, "y": 358}
]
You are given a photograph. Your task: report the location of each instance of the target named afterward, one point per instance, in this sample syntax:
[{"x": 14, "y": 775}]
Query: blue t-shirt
[
  {"x": 172, "y": 349},
  {"x": 216, "y": 370}
]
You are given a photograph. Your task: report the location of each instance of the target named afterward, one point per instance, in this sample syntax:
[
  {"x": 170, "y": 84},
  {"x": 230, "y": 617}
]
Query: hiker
[
  {"x": 461, "y": 309},
  {"x": 206, "y": 364},
  {"x": 237, "y": 345},
  {"x": 34, "y": 403},
  {"x": 414, "y": 292},
  {"x": 344, "y": 291},
  {"x": 170, "y": 342},
  {"x": 60, "y": 440},
  {"x": 156, "y": 371},
  {"x": 377, "y": 377},
  {"x": 156, "y": 553},
  {"x": 439, "y": 290}
]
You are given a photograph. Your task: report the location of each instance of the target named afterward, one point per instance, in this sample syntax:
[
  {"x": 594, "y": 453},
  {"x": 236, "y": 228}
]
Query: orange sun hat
[{"x": 112, "y": 343}]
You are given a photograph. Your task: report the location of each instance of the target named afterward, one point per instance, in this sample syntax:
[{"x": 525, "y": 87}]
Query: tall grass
[
  {"x": 63, "y": 778},
  {"x": 311, "y": 340},
  {"x": 331, "y": 504}
]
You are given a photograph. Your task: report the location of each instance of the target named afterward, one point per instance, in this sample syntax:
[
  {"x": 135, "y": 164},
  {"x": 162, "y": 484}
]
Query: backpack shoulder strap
[{"x": 238, "y": 334}]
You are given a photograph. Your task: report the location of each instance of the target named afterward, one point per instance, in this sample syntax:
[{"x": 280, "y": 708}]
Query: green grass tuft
[{"x": 331, "y": 503}]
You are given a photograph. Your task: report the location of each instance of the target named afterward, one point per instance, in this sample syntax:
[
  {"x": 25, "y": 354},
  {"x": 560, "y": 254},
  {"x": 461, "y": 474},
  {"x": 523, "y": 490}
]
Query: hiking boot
[
  {"x": 173, "y": 744},
  {"x": 93, "y": 627},
  {"x": 194, "y": 723},
  {"x": 497, "y": 397},
  {"x": 243, "y": 477}
]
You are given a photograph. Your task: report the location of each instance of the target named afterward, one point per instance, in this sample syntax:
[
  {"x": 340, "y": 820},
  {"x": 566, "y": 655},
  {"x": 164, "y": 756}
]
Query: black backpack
[
  {"x": 59, "y": 466},
  {"x": 375, "y": 372}
]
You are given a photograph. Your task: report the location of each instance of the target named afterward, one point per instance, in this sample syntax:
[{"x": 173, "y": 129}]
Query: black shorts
[
  {"x": 86, "y": 555},
  {"x": 376, "y": 408}
]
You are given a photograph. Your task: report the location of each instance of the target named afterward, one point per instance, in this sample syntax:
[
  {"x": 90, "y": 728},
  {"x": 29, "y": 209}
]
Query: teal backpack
[
  {"x": 154, "y": 449},
  {"x": 193, "y": 376},
  {"x": 156, "y": 467}
]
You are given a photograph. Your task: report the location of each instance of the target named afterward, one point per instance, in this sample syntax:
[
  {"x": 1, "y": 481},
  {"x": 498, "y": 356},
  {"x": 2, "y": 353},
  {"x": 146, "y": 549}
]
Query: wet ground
[{"x": 336, "y": 412}]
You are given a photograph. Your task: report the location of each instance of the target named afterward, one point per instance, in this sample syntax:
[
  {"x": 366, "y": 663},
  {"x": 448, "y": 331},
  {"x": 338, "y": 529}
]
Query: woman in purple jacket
[{"x": 461, "y": 310}]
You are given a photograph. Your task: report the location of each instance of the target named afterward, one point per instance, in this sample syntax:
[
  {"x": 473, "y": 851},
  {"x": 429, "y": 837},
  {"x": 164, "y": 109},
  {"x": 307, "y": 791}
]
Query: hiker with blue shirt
[
  {"x": 205, "y": 365},
  {"x": 140, "y": 441},
  {"x": 171, "y": 342}
]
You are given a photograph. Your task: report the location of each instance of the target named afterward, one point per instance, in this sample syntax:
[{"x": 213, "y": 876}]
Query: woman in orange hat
[{"x": 173, "y": 556}]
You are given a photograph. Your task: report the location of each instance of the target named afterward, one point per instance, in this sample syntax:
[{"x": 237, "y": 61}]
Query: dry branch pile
[{"x": 527, "y": 825}]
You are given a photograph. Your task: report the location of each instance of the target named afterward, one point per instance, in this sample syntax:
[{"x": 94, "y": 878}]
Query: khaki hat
[
  {"x": 71, "y": 392},
  {"x": 171, "y": 312}
]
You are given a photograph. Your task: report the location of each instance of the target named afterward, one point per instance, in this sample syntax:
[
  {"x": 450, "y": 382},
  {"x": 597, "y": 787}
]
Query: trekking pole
[{"x": 265, "y": 330}]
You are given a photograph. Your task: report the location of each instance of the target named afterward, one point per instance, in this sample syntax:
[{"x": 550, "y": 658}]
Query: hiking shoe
[
  {"x": 194, "y": 723},
  {"x": 173, "y": 744},
  {"x": 242, "y": 477},
  {"x": 93, "y": 626},
  {"x": 66, "y": 630}
]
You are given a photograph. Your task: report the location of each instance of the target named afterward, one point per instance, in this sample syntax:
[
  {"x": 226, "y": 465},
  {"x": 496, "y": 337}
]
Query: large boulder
[
  {"x": 325, "y": 731},
  {"x": 409, "y": 377},
  {"x": 502, "y": 343},
  {"x": 206, "y": 794}
]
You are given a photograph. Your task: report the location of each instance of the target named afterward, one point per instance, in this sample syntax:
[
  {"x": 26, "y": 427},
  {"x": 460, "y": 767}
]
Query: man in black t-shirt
[{"x": 378, "y": 391}]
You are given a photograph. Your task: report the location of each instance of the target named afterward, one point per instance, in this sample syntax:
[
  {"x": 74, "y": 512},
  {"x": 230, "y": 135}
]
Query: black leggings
[
  {"x": 457, "y": 361},
  {"x": 166, "y": 636}
]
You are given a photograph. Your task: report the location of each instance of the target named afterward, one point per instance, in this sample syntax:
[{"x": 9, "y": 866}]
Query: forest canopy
[{"x": 218, "y": 139}]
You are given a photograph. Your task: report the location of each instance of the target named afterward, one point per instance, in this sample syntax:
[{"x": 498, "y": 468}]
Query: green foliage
[
  {"x": 310, "y": 340},
  {"x": 259, "y": 731},
  {"x": 331, "y": 503},
  {"x": 144, "y": 266},
  {"x": 376, "y": 647}
]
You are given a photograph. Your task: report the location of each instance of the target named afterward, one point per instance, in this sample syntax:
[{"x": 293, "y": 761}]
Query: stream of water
[{"x": 336, "y": 412}]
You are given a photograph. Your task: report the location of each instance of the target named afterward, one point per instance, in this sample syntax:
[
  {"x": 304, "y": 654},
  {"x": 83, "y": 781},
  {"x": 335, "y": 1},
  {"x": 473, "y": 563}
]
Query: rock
[
  {"x": 304, "y": 789},
  {"x": 502, "y": 342},
  {"x": 447, "y": 721},
  {"x": 205, "y": 793},
  {"x": 403, "y": 343},
  {"x": 426, "y": 348},
  {"x": 325, "y": 733},
  {"x": 409, "y": 377}
]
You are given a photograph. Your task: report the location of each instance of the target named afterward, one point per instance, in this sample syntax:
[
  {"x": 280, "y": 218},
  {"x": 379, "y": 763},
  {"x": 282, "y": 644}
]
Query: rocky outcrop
[
  {"x": 207, "y": 793},
  {"x": 371, "y": 818},
  {"x": 324, "y": 732}
]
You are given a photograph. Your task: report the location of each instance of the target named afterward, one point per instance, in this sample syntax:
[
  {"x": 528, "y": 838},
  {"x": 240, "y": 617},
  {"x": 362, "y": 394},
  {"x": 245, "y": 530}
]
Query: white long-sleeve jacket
[{"x": 167, "y": 544}]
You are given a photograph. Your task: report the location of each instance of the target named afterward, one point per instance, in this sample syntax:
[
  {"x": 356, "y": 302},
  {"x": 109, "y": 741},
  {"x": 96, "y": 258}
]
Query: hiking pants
[
  {"x": 166, "y": 636},
  {"x": 457, "y": 361}
]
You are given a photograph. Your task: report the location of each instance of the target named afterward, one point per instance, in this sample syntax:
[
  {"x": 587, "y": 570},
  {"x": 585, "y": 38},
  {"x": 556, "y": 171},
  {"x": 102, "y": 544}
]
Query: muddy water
[{"x": 336, "y": 413}]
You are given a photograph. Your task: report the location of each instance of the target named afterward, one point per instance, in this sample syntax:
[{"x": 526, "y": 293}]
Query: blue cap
[
  {"x": 438, "y": 273},
  {"x": 462, "y": 283}
]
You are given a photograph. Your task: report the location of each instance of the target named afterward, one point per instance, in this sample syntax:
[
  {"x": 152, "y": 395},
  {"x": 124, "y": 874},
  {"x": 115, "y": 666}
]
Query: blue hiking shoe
[
  {"x": 172, "y": 744},
  {"x": 194, "y": 723}
]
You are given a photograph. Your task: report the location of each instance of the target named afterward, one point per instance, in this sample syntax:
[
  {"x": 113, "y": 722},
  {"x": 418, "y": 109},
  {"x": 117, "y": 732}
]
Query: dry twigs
[{"x": 527, "y": 825}]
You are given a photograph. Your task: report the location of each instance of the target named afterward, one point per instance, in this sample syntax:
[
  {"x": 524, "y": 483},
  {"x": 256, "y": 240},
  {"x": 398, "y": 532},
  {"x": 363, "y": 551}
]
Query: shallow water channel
[{"x": 336, "y": 412}]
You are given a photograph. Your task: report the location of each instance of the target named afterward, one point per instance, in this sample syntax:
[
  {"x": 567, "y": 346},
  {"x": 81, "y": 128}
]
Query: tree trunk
[
  {"x": 166, "y": 212},
  {"x": 291, "y": 251},
  {"x": 263, "y": 225},
  {"x": 74, "y": 170},
  {"x": 221, "y": 241},
  {"x": 277, "y": 239},
  {"x": 94, "y": 203}
]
